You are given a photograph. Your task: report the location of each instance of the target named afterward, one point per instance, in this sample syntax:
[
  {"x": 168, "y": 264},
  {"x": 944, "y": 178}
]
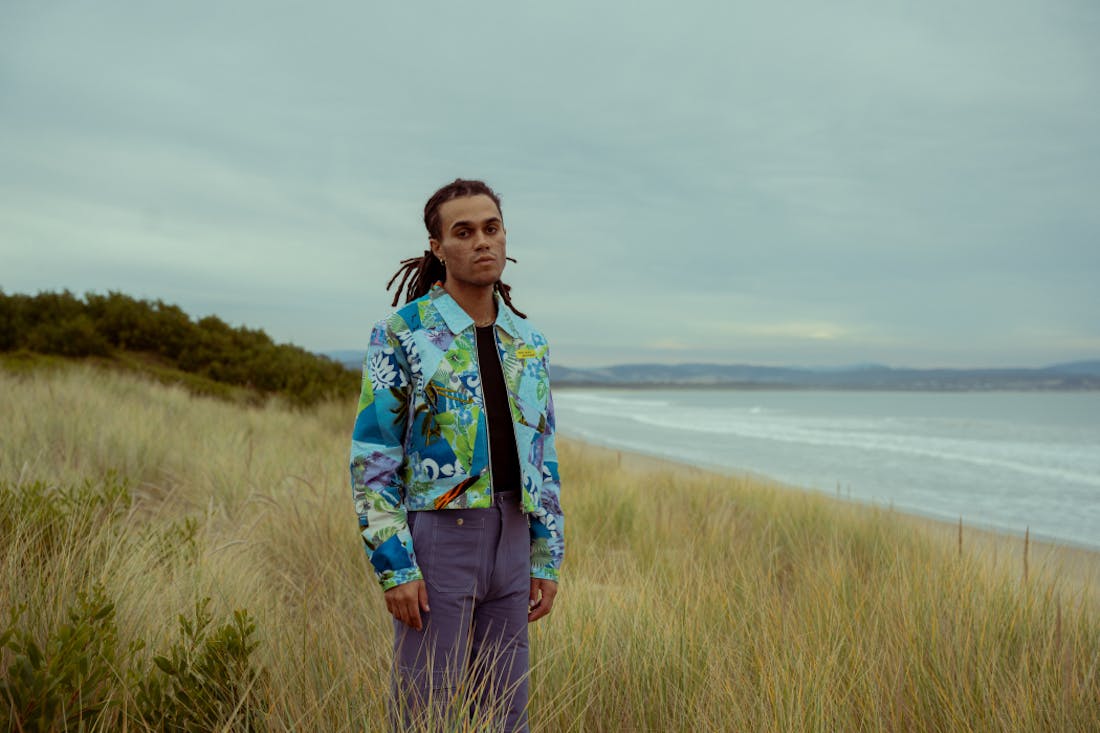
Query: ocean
[{"x": 1005, "y": 461}]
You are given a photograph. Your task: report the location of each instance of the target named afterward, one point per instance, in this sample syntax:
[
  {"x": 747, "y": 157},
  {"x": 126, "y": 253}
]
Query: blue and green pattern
[{"x": 420, "y": 440}]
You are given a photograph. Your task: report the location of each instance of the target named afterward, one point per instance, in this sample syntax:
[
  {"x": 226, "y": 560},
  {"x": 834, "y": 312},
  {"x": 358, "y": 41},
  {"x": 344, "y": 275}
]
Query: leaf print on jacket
[
  {"x": 420, "y": 439},
  {"x": 383, "y": 372}
]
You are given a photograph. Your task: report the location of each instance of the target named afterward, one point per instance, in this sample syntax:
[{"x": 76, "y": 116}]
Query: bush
[
  {"x": 207, "y": 681},
  {"x": 74, "y": 679},
  {"x": 51, "y": 518},
  {"x": 72, "y": 675},
  {"x": 60, "y": 323},
  {"x": 67, "y": 682}
]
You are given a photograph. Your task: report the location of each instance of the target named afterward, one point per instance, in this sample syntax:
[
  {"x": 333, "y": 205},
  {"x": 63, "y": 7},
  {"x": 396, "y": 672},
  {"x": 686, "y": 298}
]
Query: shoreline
[
  {"x": 787, "y": 387},
  {"x": 1043, "y": 560}
]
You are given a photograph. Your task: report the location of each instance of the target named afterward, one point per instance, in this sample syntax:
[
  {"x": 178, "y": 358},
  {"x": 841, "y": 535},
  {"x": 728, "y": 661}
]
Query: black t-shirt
[{"x": 503, "y": 454}]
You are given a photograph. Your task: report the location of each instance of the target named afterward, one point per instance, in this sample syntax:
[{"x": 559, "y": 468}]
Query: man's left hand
[{"x": 542, "y": 598}]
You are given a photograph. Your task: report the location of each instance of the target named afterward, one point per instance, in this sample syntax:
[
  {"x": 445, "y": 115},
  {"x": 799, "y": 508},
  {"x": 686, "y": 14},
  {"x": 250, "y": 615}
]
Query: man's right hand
[{"x": 405, "y": 602}]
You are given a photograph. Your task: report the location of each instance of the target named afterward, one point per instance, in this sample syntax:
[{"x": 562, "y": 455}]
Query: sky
[{"x": 805, "y": 183}]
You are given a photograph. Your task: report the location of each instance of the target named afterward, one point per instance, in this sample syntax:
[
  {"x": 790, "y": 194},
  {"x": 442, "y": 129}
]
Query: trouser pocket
[{"x": 453, "y": 560}]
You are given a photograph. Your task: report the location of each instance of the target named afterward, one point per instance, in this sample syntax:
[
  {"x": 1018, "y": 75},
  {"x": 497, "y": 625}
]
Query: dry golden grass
[{"x": 690, "y": 600}]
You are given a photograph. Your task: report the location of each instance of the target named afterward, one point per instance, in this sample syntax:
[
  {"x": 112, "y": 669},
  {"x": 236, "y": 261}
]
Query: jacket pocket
[
  {"x": 532, "y": 396},
  {"x": 530, "y": 412}
]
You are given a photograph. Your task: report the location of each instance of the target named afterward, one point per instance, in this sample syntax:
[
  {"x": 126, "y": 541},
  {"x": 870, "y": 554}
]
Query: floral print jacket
[{"x": 420, "y": 440}]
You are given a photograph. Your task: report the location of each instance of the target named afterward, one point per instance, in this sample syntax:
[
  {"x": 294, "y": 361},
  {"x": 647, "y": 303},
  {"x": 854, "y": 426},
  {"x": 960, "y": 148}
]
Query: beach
[
  {"x": 1077, "y": 569},
  {"x": 690, "y": 599}
]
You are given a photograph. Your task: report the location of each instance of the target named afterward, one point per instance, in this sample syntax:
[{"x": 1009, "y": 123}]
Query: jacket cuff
[
  {"x": 394, "y": 578},
  {"x": 544, "y": 573}
]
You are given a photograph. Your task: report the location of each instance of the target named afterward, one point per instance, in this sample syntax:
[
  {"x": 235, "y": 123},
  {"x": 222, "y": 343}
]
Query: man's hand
[
  {"x": 542, "y": 598},
  {"x": 405, "y": 602}
]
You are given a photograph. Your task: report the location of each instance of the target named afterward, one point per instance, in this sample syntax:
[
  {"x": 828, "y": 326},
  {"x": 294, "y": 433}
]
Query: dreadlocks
[{"x": 419, "y": 273}]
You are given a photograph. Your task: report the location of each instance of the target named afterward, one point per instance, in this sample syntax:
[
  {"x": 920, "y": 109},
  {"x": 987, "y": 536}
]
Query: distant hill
[
  {"x": 350, "y": 358},
  {"x": 1081, "y": 375},
  {"x": 1075, "y": 376},
  {"x": 1087, "y": 368},
  {"x": 152, "y": 337}
]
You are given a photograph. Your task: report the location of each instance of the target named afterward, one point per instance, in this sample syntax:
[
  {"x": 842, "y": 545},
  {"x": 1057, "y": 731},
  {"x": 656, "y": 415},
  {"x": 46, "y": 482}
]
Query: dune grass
[{"x": 689, "y": 601}]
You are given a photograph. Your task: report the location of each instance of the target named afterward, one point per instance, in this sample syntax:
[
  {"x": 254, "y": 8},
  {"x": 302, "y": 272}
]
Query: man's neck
[{"x": 477, "y": 301}]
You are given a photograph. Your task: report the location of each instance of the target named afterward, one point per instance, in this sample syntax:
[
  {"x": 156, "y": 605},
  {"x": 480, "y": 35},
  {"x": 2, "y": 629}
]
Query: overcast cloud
[{"x": 912, "y": 183}]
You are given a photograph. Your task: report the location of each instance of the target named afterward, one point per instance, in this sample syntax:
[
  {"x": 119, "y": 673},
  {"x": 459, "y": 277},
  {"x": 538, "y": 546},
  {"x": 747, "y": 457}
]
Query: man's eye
[
  {"x": 462, "y": 234},
  {"x": 491, "y": 229}
]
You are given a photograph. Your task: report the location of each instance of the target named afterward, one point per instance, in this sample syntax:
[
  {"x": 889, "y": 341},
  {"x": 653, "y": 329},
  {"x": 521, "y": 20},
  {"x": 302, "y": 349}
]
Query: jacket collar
[{"x": 458, "y": 320}]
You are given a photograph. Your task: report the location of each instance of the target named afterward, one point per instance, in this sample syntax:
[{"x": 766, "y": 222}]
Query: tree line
[{"x": 103, "y": 325}]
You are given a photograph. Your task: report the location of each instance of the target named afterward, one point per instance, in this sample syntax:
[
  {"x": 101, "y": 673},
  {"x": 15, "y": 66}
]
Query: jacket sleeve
[
  {"x": 548, "y": 522},
  {"x": 377, "y": 458}
]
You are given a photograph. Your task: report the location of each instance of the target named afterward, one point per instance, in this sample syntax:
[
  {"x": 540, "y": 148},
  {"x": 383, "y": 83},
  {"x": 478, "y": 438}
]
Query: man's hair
[
  {"x": 457, "y": 189},
  {"x": 420, "y": 273}
]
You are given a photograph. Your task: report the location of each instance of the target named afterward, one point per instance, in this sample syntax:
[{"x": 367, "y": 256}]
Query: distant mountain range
[
  {"x": 1078, "y": 375},
  {"x": 1072, "y": 376}
]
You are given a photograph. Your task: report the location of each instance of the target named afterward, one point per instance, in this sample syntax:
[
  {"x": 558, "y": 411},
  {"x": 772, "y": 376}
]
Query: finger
[
  {"x": 537, "y": 612},
  {"x": 399, "y": 611},
  {"x": 423, "y": 595},
  {"x": 414, "y": 616},
  {"x": 545, "y": 602}
]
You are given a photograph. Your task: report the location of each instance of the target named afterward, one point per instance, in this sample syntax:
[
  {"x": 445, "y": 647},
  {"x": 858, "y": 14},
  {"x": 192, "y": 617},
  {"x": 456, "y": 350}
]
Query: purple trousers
[{"x": 471, "y": 657}]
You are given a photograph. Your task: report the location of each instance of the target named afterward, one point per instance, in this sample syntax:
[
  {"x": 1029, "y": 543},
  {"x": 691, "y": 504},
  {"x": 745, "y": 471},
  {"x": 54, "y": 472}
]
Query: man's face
[{"x": 472, "y": 241}]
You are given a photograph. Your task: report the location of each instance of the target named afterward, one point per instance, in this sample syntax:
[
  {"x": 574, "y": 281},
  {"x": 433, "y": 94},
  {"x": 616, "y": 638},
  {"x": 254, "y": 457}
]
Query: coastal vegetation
[
  {"x": 207, "y": 356},
  {"x": 176, "y": 562}
]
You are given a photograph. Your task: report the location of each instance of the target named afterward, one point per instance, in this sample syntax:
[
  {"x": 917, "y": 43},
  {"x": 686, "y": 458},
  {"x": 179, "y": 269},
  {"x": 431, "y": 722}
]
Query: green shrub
[
  {"x": 208, "y": 349},
  {"x": 48, "y": 518},
  {"x": 76, "y": 679},
  {"x": 176, "y": 541},
  {"x": 65, "y": 683},
  {"x": 206, "y": 681},
  {"x": 73, "y": 676}
]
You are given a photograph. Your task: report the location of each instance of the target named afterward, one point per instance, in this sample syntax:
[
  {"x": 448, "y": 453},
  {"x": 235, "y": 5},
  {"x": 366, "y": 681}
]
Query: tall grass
[{"x": 689, "y": 601}]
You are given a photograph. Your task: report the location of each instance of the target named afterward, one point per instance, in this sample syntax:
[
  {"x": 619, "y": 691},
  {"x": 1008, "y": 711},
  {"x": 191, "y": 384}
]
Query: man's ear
[{"x": 436, "y": 247}]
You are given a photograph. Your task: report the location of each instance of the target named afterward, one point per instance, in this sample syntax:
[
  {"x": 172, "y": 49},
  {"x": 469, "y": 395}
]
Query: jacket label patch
[{"x": 526, "y": 353}]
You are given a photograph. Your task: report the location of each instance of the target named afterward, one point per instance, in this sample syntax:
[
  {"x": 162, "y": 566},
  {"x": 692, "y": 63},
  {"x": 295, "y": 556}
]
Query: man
[{"x": 454, "y": 472}]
